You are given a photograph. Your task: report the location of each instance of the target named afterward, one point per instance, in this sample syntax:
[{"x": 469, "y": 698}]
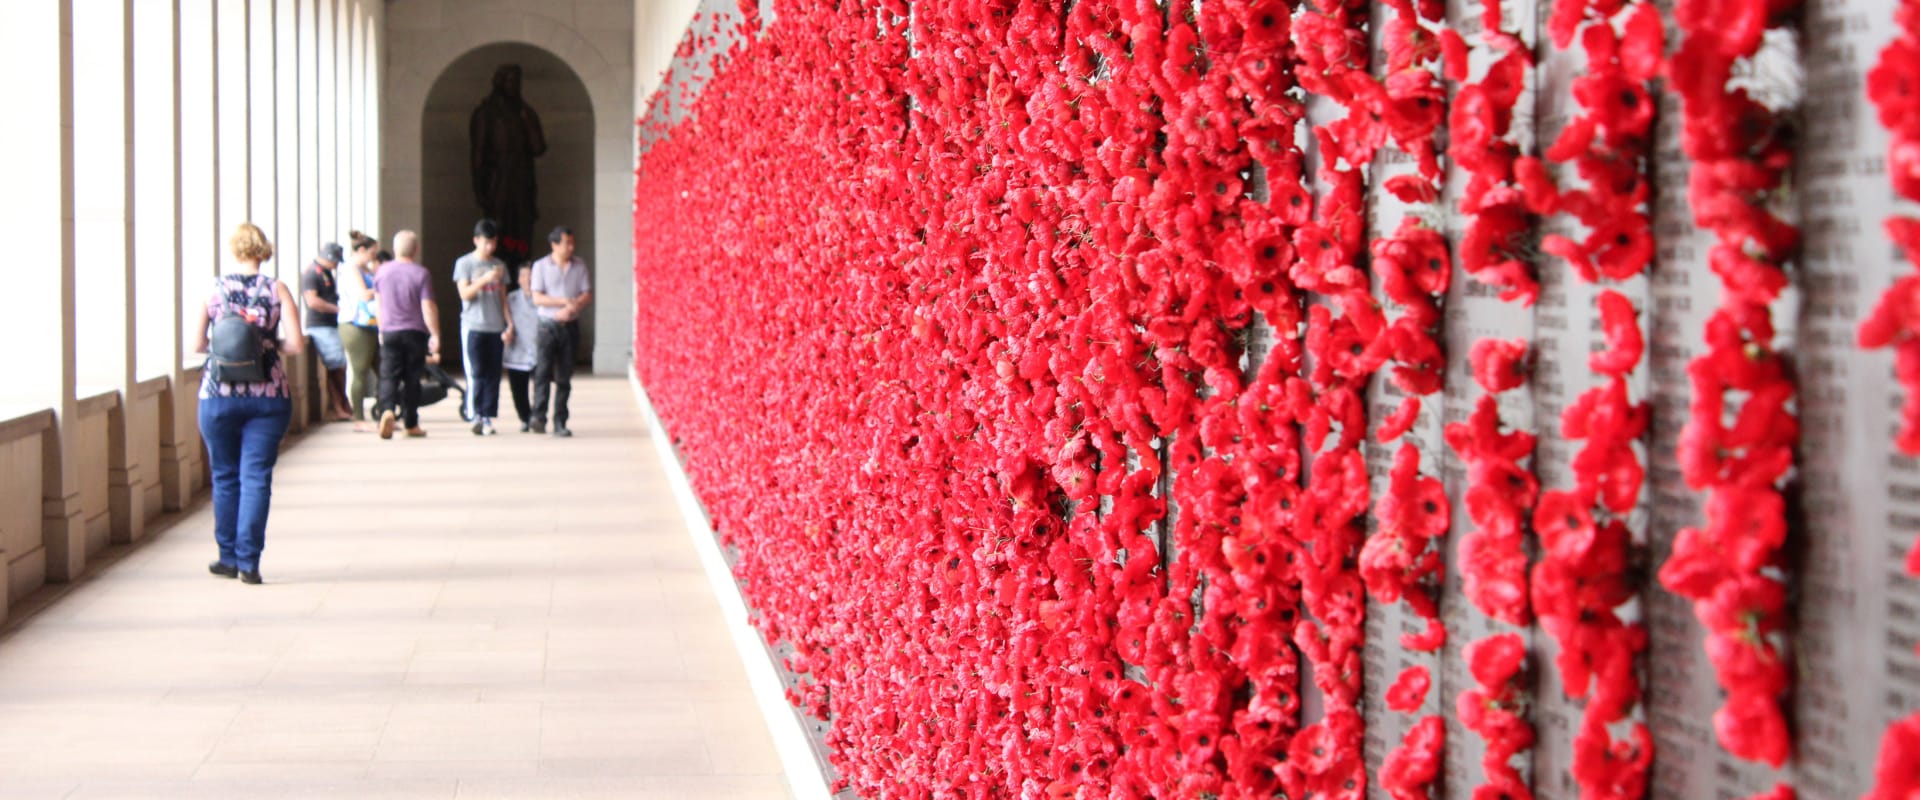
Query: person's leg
[
  {"x": 261, "y": 432},
  {"x": 369, "y": 363},
  {"x": 332, "y": 354},
  {"x": 389, "y": 374},
  {"x": 337, "y": 393},
  {"x": 414, "y": 364},
  {"x": 222, "y": 438},
  {"x": 360, "y": 345},
  {"x": 543, "y": 361},
  {"x": 563, "y": 372},
  {"x": 517, "y": 381},
  {"x": 470, "y": 369},
  {"x": 491, "y": 350}
]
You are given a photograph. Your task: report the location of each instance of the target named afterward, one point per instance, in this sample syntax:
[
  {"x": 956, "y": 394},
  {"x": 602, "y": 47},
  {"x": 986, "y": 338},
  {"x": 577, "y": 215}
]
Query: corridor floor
[{"x": 510, "y": 617}]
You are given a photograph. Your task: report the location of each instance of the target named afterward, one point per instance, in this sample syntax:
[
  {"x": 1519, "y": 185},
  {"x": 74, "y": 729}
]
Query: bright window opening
[
  {"x": 231, "y": 52},
  {"x": 261, "y": 123},
  {"x": 100, "y": 180},
  {"x": 30, "y": 46},
  {"x": 156, "y": 228},
  {"x": 201, "y": 253}
]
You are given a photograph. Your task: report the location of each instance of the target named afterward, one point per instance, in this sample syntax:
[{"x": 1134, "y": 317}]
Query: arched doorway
[{"x": 565, "y": 174}]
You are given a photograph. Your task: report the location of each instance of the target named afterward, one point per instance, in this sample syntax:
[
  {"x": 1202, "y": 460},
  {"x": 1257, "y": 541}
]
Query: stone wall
[{"x": 595, "y": 40}]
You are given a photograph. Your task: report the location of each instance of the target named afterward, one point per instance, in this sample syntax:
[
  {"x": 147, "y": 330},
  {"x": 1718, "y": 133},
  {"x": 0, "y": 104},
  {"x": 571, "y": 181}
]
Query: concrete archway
[
  {"x": 594, "y": 41},
  {"x": 565, "y": 174}
]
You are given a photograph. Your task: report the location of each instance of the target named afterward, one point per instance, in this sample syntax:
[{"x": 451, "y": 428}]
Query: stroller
[{"x": 436, "y": 384}]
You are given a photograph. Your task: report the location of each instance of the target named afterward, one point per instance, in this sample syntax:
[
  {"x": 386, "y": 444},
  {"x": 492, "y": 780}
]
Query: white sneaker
[{"x": 487, "y": 422}]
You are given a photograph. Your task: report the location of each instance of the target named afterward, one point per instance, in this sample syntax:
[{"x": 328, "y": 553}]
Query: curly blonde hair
[{"x": 249, "y": 243}]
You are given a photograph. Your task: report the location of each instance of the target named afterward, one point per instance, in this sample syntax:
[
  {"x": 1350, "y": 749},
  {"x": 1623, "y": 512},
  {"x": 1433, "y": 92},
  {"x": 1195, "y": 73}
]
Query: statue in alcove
[{"x": 505, "y": 138}]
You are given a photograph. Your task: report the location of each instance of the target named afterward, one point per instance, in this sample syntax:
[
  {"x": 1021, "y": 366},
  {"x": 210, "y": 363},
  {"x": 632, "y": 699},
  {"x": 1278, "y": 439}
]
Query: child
[{"x": 520, "y": 351}]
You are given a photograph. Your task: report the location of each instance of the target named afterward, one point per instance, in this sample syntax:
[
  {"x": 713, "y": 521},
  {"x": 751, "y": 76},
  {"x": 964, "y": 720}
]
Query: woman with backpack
[{"x": 245, "y": 403}]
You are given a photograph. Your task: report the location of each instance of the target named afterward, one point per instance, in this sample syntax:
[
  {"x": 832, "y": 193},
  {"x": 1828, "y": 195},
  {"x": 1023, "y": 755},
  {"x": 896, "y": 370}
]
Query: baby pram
[{"x": 436, "y": 384}]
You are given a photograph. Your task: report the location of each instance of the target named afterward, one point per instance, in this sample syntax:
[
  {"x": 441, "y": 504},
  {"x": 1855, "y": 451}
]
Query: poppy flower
[
  {"x": 1499, "y": 364},
  {"x": 1409, "y": 43},
  {"x": 1619, "y": 104},
  {"x": 1412, "y": 189},
  {"x": 1400, "y": 421},
  {"x": 1642, "y": 50},
  {"x": 1619, "y": 324},
  {"x": 1413, "y": 766},
  {"x": 1409, "y": 690},
  {"x": 1896, "y": 773}
]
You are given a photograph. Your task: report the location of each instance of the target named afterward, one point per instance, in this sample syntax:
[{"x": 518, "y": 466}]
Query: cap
[{"x": 331, "y": 253}]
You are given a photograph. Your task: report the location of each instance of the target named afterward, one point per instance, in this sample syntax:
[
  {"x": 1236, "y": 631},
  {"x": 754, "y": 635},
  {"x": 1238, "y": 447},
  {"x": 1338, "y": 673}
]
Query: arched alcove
[{"x": 565, "y": 175}]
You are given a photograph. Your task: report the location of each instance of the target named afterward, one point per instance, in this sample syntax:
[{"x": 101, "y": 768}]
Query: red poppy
[
  {"x": 1400, "y": 421},
  {"x": 1415, "y": 764},
  {"x": 1499, "y": 364},
  {"x": 1619, "y": 323},
  {"x": 1896, "y": 774},
  {"x": 1409, "y": 691}
]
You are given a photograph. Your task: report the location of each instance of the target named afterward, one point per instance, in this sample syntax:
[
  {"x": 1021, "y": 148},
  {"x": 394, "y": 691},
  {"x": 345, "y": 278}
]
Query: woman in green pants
[{"x": 360, "y": 329}]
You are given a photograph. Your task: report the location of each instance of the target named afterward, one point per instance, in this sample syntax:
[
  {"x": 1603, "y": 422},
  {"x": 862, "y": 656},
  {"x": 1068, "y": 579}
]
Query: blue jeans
[{"x": 243, "y": 441}]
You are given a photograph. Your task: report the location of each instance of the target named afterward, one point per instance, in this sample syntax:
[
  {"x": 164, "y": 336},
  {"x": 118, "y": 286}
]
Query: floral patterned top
[{"x": 253, "y": 297}]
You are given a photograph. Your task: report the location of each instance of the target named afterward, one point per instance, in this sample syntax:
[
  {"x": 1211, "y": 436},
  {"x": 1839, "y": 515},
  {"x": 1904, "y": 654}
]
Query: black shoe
[
  {"x": 539, "y": 426},
  {"x": 562, "y": 433},
  {"x": 526, "y": 427},
  {"x": 223, "y": 570},
  {"x": 479, "y": 426},
  {"x": 252, "y": 577}
]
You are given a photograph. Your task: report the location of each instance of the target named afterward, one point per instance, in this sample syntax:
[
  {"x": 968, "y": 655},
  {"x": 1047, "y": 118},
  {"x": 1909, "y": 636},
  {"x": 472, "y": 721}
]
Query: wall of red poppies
[{"x": 1242, "y": 398}]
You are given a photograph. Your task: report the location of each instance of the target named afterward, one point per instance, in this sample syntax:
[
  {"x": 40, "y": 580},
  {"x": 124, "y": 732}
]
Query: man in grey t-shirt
[
  {"x": 561, "y": 292},
  {"x": 487, "y": 327}
]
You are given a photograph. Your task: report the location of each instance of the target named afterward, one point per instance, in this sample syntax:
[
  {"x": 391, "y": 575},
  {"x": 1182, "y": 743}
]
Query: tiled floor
[{"x": 509, "y": 617}]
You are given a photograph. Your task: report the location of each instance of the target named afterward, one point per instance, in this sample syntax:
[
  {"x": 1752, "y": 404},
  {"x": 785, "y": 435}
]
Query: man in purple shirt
[{"x": 409, "y": 331}]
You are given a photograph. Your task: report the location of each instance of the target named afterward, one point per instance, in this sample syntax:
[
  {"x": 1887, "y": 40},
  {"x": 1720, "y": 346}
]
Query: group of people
[{"x": 523, "y": 325}]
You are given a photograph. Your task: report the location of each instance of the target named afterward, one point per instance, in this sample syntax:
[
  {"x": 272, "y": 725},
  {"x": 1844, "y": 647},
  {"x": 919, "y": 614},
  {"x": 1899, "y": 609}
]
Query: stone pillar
[
  {"x": 376, "y": 42},
  {"x": 61, "y": 528},
  {"x": 307, "y": 32},
  {"x": 193, "y": 38},
  {"x": 327, "y": 127},
  {"x": 126, "y": 477}
]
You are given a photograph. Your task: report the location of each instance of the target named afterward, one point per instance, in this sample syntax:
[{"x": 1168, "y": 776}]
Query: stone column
[
  {"x": 376, "y": 42},
  {"x": 61, "y": 528},
  {"x": 193, "y": 37},
  {"x": 311, "y": 119},
  {"x": 126, "y": 478}
]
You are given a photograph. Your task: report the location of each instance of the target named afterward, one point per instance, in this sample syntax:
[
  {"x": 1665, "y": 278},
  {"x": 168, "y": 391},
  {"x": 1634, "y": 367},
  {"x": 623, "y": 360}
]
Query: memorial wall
[{"x": 1237, "y": 398}]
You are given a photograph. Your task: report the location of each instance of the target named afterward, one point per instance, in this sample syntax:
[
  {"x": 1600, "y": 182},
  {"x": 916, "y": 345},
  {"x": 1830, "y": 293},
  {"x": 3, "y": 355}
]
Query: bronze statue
[{"x": 505, "y": 138}]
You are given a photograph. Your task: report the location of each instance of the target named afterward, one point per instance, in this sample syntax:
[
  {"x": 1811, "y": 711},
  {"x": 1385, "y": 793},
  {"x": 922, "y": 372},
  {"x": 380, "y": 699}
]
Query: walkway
[{"x": 514, "y": 617}]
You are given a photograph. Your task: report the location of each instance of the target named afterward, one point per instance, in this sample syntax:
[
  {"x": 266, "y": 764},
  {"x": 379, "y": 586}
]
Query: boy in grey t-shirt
[{"x": 482, "y": 279}]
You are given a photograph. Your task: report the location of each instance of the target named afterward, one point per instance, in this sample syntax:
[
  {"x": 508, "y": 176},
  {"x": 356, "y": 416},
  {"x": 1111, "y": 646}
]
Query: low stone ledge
[{"x": 16, "y": 425}]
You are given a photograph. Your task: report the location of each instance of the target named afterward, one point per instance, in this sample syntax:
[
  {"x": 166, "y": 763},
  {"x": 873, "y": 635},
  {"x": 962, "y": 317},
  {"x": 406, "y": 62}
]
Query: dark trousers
[
  {"x": 403, "y": 357},
  {"x": 483, "y": 354},
  {"x": 553, "y": 363},
  {"x": 243, "y": 441},
  {"x": 517, "y": 380}
]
